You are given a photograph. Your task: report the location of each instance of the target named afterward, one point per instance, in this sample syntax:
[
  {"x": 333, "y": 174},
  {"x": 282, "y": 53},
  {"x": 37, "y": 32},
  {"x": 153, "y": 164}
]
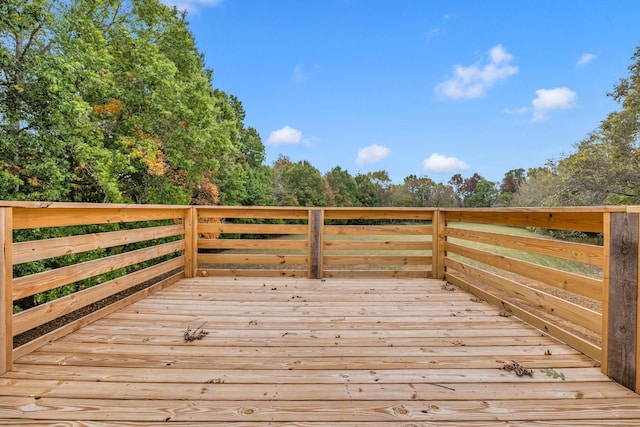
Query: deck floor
[{"x": 305, "y": 353}]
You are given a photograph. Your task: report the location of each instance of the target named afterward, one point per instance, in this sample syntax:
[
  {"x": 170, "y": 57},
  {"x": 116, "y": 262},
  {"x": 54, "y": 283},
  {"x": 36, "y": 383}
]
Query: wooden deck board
[{"x": 295, "y": 352}]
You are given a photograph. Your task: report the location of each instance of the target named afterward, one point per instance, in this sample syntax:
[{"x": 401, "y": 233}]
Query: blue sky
[{"x": 430, "y": 88}]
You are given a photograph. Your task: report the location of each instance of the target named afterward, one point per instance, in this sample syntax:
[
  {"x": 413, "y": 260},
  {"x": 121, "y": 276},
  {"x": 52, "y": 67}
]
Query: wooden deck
[{"x": 308, "y": 352}]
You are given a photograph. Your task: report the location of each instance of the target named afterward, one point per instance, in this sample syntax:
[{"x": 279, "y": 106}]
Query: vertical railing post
[
  {"x": 622, "y": 312},
  {"x": 6, "y": 290},
  {"x": 316, "y": 232},
  {"x": 190, "y": 241},
  {"x": 606, "y": 268},
  {"x": 437, "y": 241}
]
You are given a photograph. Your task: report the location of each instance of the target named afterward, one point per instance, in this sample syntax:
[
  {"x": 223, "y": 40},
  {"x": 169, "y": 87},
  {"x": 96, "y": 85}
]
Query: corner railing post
[
  {"x": 621, "y": 314},
  {"x": 316, "y": 232},
  {"x": 6, "y": 290},
  {"x": 606, "y": 268},
  {"x": 191, "y": 241}
]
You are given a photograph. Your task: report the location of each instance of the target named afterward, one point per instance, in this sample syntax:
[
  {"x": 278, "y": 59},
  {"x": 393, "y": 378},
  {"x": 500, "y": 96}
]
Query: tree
[
  {"x": 443, "y": 196},
  {"x": 384, "y": 187},
  {"x": 306, "y": 185},
  {"x": 242, "y": 177},
  {"x": 343, "y": 187},
  {"x": 539, "y": 189},
  {"x": 464, "y": 187},
  {"x": 420, "y": 190},
  {"x": 156, "y": 116},
  {"x": 106, "y": 100},
  {"x": 510, "y": 185},
  {"x": 366, "y": 191},
  {"x": 298, "y": 184},
  {"x": 484, "y": 195},
  {"x": 34, "y": 107}
]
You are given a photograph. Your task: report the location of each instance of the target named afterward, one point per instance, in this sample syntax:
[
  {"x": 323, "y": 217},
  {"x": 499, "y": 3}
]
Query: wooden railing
[
  {"x": 130, "y": 245},
  {"x": 315, "y": 243},
  {"x": 591, "y": 304}
]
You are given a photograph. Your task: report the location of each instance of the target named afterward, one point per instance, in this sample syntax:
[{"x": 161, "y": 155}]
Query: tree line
[{"x": 111, "y": 101}]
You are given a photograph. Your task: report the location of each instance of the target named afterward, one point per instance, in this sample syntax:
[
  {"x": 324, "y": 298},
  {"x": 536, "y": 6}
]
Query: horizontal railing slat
[
  {"x": 377, "y": 260},
  {"x": 251, "y": 259},
  {"x": 588, "y": 221},
  {"x": 378, "y": 274},
  {"x": 381, "y": 213},
  {"x": 252, "y": 228},
  {"x": 253, "y": 244},
  {"x": 362, "y": 245},
  {"x": 47, "y": 312},
  {"x": 60, "y": 217},
  {"x": 249, "y": 212},
  {"x": 49, "y": 248},
  {"x": 251, "y": 272},
  {"x": 372, "y": 230},
  {"x": 578, "y": 252},
  {"x": 41, "y": 282},
  {"x": 585, "y": 286}
]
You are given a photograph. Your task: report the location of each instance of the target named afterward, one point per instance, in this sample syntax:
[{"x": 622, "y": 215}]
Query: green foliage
[
  {"x": 366, "y": 191},
  {"x": 110, "y": 101},
  {"x": 475, "y": 191},
  {"x": 553, "y": 373},
  {"x": 298, "y": 184},
  {"x": 343, "y": 187},
  {"x": 510, "y": 185},
  {"x": 604, "y": 168},
  {"x": 484, "y": 195}
]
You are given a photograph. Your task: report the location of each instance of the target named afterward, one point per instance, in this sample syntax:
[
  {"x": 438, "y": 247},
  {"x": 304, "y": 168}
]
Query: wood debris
[
  {"x": 447, "y": 287},
  {"x": 196, "y": 334},
  {"x": 518, "y": 369}
]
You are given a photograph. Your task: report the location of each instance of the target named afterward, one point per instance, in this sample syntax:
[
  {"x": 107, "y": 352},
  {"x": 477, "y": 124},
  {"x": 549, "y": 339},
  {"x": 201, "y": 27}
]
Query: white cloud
[
  {"x": 191, "y": 5},
  {"x": 372, "y": 154},
  {"x": 474, "y": 80},
  {"x": 438, "y": 163},
  {"x": 586, "y": 58},
  {"x": 560, "y": 98},
  {"x": 499, "y": 55},
  {"x": 301, "y": 74},
  {"x": 285, "y": 135},
  {"x": 516, "y": 111}
]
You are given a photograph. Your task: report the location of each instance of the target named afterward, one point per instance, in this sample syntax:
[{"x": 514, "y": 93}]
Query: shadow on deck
[{"x": 309, "y": 352}]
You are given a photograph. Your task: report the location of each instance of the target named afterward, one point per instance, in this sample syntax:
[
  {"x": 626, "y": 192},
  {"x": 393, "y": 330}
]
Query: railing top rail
[
  {"x": 77, "y": 205},
  {"x": 571, "y": 209},
  {"x": 325, "y": 208}
]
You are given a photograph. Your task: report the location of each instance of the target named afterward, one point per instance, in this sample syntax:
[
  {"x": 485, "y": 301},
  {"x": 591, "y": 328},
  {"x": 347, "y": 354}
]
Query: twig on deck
[{"x": 196, "y": 334}]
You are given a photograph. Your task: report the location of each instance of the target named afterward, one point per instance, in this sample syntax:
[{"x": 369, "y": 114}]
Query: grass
[{"x": 544, "y": 260}]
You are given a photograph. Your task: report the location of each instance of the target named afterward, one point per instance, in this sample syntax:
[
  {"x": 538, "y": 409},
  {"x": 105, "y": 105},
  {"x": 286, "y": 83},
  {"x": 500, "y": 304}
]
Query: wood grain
[
  {"x": 299, "y": 352},
  {"x": 6, "y": 290},
  {"x": 623, "y": 299}
]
